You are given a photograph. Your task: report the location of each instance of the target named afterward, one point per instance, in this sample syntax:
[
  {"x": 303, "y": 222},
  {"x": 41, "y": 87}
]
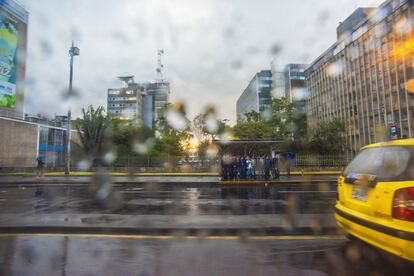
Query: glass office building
[
  {"x": 256, "y": 96},
  {"x": 155, "y": 96},
  {"x": 364, "y": 78},
  {"x": 295, "y": 90}
]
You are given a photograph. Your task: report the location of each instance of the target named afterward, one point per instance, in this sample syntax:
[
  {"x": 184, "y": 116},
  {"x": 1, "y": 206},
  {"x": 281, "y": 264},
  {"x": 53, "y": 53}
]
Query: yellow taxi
[{"x": 375, "y": 201}]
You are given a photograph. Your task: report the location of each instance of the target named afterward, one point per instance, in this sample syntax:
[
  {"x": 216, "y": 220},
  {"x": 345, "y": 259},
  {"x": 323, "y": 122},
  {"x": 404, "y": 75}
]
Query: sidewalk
[
  {"x": 188, "y": 174},
  {"x": 176, "y": 179},
  {"x": 86, "y": 179}
]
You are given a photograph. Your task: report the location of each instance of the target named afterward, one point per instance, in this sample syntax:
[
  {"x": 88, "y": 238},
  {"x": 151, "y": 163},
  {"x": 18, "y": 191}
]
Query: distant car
[{"x": 375, "y": 201}]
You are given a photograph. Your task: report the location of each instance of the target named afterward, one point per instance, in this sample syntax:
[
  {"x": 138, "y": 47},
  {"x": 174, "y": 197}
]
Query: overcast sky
[{"x": 212, "y": 48}]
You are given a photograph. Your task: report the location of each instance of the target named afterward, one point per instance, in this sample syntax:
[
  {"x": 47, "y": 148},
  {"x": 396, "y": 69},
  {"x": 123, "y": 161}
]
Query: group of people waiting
[{"x": 250, "y": 168}]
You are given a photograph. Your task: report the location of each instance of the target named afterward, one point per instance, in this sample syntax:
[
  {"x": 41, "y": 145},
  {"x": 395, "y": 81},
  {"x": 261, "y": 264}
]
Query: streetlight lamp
[{"x": 73, "y": 51}]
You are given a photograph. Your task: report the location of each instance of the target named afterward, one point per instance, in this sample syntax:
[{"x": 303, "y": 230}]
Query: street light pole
[{"x": 73, "y": 51}]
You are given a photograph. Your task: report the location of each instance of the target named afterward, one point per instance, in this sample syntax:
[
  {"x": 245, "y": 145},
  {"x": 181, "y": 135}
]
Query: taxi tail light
[{"x": 403, "y": 204}]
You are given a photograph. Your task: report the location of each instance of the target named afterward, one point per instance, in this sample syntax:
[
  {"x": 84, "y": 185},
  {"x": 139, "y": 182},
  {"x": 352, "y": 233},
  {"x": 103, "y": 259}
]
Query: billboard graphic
[{"x": 8, "y": 50}]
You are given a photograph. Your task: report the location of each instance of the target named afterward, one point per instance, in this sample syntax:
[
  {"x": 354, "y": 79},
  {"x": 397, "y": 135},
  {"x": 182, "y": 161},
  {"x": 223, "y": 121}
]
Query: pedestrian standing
[
  {"x": 266, "y": 168},
  {"x": 260, "y": 167},
  {"x": 239, "y": 167},
  {"x": 244, "y": 168},
  {"x": 40, "y": 167},
  {"x": 249, "y": 168},
  {"x": 253, "y": 161},
  {"x": 234, "y": 176},
  {"x": 275, "y": 167}
]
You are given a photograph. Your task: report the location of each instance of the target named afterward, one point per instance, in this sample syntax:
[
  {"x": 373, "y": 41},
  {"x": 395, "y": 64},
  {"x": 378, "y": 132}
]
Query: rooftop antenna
[
  {"x": 128, "y": 80},
  {"x": 160, "y": 66}
]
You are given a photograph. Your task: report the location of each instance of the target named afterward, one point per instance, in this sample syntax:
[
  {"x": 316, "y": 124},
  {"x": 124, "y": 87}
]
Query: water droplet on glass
[
  {"x": 68, "y": 95},
  {"x": 109, "y": 157},
  {"x": 335, "y": 68},
  {"x": 323, "y": 17},
  {"x": 46, "y": 47},
  {"x": 83, "y": 165},
  {"x": 275, "y": 49},
  {"x": 409, "y": 86},
  {"x": 352, "y": 253},
  {"x": 237, "y": 64},
  {"x": 176, "y": 119},
  {"x": 266, "y": 114},
  {"x": 212, "y": 124},
  {"x": 212, "y": 150}
]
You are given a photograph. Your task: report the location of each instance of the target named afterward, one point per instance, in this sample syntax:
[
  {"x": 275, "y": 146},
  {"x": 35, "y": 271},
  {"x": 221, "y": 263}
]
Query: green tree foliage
[
  {"x": 91, "y": 129},
  {"x": 99, "y": 134},
  {"x": 207, "y": 127},
  {"x": 253, "y": 116},
  {"x": 279, "y": 121},
  {"x": 131, "y": 138},
  {"x": 202, "y": 148},
  {"x": 281, "y": 118},
  {"x": 173, "y": 129},
  {"x": 329, "y": 138},
  {"x": 253, "y": 130},
  {"x": 300, "y": 127}
]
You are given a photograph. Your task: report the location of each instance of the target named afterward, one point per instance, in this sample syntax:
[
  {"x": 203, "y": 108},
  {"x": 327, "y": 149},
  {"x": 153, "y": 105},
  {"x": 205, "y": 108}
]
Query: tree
[
  {"x": 198, "y": 127},
  {"x": 253, "y": 116},
  {"x": 174, "y": 132},
  {"x": 275, "y": 122},
  {"x": 91, "y": 129},
  {"x": 131, "y": 138},
  {"x": 207, "y": 127},
  {"x": 253, "y": 130},
  {"x": 329, "y": 138},
  {"x": 300, "y": 126},
  {"x": 281, "y": 118}
]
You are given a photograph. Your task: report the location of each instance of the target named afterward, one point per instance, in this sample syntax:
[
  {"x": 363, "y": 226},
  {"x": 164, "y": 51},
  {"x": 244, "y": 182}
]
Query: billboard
[
  {"x": 8, "y": 50},
  {"x": 13, "y": 29}
]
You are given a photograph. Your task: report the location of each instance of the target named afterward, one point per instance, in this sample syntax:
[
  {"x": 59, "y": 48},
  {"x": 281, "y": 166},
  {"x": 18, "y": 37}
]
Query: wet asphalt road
[
  {"x": 165, "y": 198},
  {"x": 238, "y": 254},
  {"x": 33, "y": 255}
]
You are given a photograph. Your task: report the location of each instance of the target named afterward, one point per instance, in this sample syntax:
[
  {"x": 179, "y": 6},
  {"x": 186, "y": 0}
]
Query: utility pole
[{"x": 73, "y": 51}]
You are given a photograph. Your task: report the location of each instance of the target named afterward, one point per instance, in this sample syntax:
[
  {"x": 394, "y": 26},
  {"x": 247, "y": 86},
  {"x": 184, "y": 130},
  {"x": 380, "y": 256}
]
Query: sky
[{"x": 212, "y": 48}]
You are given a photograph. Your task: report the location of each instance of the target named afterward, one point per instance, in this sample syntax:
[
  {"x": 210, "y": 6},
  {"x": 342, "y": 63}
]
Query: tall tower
[{"x": 160, "y": 77}]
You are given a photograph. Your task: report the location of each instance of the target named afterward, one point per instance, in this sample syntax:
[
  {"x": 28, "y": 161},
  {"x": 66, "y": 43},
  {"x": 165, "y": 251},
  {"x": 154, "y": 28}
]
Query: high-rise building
[
  {"x": 155, "y": 96},
  {"x": 256, "y": 96},
  {"x": 138, "y": 101},
  {"x": 365, "y": 78},
  {"x": 289, "y": 82},
  {"x": 125, "y": 103},
  {"x": 295, "y": 88}
]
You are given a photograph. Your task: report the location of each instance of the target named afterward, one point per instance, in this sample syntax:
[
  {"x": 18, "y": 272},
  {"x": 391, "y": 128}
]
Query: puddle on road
[
  {"x": 28, "y": 255},
  {"x": 208, "y": 200}
]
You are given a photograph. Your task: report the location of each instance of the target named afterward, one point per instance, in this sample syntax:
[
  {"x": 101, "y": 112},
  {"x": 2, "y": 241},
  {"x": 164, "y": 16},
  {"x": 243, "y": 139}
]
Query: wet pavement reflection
[
  {"x": 156, "y": 198},
  {"x": 33, "y": 255}
]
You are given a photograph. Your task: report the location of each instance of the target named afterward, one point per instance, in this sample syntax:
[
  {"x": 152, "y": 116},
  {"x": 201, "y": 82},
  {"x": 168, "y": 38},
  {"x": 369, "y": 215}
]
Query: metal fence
[
  {"x": 315, "y": 161},
  {"x": 185, "y": 164},
  {"x": 306, "y": 162},
  {"x": 164, "y": 164}
]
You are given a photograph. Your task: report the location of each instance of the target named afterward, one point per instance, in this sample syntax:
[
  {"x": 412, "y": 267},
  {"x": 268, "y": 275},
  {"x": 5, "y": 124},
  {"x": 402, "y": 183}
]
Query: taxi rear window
[{"x": 391, "y": 163}]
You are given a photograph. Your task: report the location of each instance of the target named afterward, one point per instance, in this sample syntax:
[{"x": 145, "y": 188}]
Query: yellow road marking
[
  {"x": 170, "y": 237},
  {"x": 159, "y": 174}
]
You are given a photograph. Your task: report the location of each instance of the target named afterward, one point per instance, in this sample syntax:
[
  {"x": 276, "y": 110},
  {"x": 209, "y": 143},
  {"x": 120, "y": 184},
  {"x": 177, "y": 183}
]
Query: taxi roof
[{"x": 401, "y": 142}]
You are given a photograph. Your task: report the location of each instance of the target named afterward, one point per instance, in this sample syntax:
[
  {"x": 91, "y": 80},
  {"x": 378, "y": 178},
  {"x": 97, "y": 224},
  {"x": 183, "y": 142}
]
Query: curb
[
  {"x": 83, "y": 174},
  {"x": 179, "y": 232}
]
